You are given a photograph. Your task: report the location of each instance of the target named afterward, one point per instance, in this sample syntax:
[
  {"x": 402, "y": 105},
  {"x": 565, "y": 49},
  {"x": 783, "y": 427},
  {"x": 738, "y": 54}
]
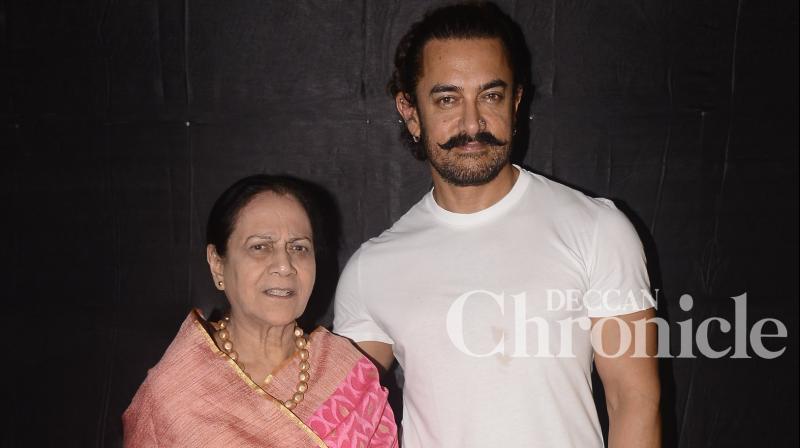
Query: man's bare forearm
[{"x": 634, "y": 422}]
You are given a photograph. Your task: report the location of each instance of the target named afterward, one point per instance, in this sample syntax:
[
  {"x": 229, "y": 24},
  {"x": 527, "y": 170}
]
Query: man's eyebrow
[
  {"x": 491, "y": 84},
  {"x": 443, "y": 88}
]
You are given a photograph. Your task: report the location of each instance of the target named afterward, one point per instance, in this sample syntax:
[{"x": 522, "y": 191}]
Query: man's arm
[
  {"x": 631, "y": 383},
  {"x": 379, "y": 352}
]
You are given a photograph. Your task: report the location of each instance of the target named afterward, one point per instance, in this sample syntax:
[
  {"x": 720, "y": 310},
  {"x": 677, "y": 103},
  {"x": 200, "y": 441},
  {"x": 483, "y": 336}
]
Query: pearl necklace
[{"x": 300, "y": 342}]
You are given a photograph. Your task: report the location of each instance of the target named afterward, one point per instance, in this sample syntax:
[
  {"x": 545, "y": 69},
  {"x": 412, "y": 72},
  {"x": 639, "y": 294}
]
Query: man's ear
[
  {"x": 408, "y": 112},
  {"x": 517, "y": 98},
  {"x": 216, "y": 265}
]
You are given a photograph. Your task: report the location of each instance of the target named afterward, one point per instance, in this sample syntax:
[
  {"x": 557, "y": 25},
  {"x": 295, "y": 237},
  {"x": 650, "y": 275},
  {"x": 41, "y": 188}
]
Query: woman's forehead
[{"x": 273, "y": 213}]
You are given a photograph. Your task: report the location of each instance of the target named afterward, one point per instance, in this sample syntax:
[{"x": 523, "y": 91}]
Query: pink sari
[{"x": 197, "y": 396}]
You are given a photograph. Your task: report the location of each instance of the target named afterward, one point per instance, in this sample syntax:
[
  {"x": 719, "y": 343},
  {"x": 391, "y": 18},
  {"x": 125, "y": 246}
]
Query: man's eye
[
  {"x": 446, "y": 101},
  {"x": 493, "y": 97},
  {"x": 298, "y": 248}
]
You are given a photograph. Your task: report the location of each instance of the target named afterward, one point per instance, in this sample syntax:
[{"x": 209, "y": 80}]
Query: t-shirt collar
[{"x": 497, "y": 209}]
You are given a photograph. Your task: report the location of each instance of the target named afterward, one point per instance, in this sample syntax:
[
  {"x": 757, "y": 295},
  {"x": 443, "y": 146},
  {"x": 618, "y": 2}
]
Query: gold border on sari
[{"x": 201, "y": 324}]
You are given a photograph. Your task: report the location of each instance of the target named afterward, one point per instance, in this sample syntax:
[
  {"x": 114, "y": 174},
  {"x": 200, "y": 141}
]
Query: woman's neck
[{"x": 261, "y": 348}]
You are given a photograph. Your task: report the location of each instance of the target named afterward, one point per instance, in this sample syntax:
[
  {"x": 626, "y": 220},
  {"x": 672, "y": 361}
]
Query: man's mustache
[{"x": 485, "y": 137}]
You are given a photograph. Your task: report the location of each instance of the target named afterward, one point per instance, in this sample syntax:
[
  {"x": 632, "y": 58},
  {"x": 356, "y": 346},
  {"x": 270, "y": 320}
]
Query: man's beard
[{"x": 472, "y": 169}]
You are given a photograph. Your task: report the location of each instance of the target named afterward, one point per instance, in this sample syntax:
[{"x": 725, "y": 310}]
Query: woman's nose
[{"x": 281, "y": 263}]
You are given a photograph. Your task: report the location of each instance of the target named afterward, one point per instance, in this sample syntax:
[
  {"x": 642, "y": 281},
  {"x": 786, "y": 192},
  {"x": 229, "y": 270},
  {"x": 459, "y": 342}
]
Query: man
[{"x": 485, "y": 290}]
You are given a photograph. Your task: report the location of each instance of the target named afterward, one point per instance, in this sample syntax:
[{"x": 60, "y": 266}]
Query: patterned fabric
[
  {"x": 196, "y": 396},
  {"x": 356, "y": 414}
]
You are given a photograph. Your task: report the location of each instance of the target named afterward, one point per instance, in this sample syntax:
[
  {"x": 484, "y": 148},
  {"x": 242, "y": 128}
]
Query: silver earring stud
[{"x": 415, "y": 138}]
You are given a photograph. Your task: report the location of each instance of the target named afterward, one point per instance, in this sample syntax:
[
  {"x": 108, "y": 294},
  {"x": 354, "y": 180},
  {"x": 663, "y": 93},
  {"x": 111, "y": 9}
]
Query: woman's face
[{"x": 269, "y": 269}]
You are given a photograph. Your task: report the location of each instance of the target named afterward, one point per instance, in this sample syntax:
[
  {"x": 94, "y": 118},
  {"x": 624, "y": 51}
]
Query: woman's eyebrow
[{"x": 260, "y": 235}]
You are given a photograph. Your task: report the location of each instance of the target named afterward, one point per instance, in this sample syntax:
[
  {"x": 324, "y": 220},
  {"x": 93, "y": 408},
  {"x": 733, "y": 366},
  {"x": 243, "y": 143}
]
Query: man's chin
[
  {"x": 470, "y": 165},
  {"x": 467, "y": 176}
]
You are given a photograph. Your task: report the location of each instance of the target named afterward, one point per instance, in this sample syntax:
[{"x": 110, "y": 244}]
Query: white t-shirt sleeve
[
  {"x": 617, "y": 268},
  {"x": 351, "y": 318}
]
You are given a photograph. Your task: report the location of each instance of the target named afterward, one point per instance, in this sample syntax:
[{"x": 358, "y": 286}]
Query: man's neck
[{"x": 473, "y": 199}]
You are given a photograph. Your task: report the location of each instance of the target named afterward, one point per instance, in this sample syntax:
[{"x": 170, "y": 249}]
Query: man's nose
[{"x": 471, "y": 119}]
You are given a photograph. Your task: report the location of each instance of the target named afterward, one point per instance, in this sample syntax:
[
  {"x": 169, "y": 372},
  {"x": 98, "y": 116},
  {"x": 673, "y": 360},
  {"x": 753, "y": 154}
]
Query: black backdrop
[{"x": 125, "y": 119}]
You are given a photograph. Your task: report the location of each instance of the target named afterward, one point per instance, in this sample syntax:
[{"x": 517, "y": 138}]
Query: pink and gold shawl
[{"x": 197, "y": 396}]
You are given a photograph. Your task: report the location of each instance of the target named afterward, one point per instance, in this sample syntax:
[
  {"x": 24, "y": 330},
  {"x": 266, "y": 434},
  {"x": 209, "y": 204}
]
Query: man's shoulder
[
  {"x": 417, "y": 219},
  {"x": 561, "y": 200}
]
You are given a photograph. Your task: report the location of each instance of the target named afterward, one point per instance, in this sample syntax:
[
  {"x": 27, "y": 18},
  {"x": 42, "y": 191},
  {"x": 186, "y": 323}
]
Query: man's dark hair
[{"x": 472, "y": 20}]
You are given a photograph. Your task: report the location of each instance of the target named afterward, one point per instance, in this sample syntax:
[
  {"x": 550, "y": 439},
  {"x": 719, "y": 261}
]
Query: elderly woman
[{"x": 255, "y": 378}]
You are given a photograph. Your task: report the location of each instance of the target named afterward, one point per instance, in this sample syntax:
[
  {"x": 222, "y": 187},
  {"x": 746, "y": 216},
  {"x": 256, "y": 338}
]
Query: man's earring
[
  {"x": 415, "y": 138},
  {"x": 514, "y": 132}
]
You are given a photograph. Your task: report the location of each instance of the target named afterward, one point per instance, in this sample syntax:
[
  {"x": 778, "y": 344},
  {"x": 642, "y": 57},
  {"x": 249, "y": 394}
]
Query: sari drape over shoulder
[{"x": 197, "y": 396}]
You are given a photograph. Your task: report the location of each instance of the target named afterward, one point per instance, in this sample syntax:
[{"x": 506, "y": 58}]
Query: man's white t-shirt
[{"x": 488, "y": 313}]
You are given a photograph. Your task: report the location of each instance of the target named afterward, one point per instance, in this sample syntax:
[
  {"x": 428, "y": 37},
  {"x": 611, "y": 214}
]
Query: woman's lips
[{"x": 279, "y": 292}]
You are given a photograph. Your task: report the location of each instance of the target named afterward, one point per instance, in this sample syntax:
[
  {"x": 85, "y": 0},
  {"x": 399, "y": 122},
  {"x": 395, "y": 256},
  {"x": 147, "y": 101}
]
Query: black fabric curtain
[{"x": 125, "y": 119}]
